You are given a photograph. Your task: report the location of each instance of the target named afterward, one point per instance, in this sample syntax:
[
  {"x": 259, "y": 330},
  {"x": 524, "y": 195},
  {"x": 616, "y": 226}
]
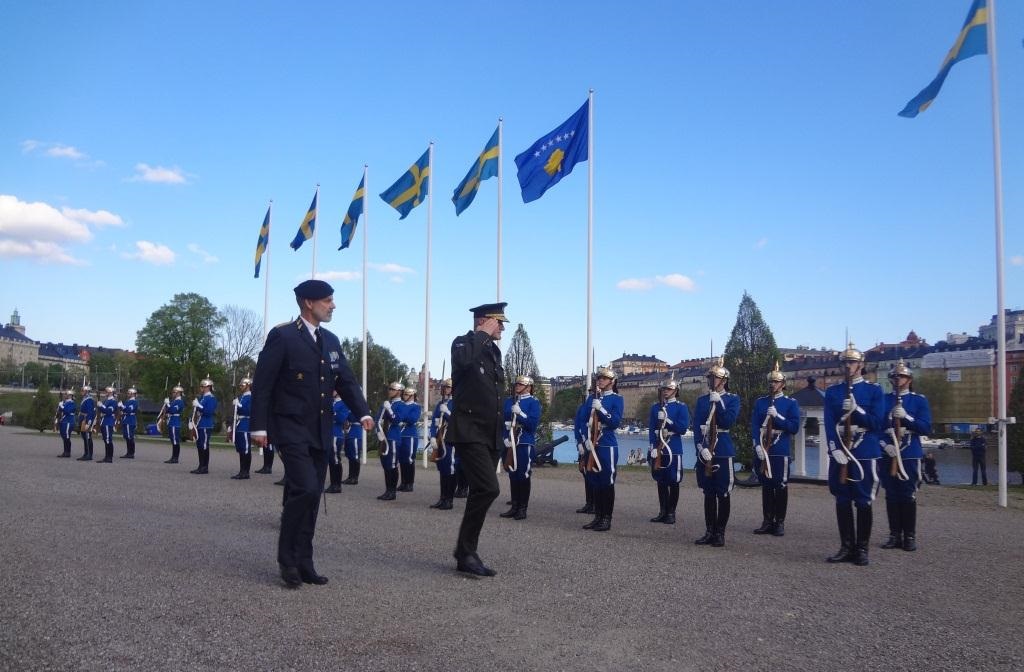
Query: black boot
[
  {"x": 724, "y": 507},
  {"x": 607, "y": 496},
  {"x": 589, "y": 506},
  {"x": 710, "y": 516},
  {"x": 662, "y": 504},
  {"x": 670, "y": 504},
  {"x": 844, "y": 520},
  {"x": 86, "y": 453},
  {"x": 175, "y": 450},
  {"x": 353, "y": 473},
  {"x": 514, "y": 487},
  {"x": 598, "y": 503},
  {"x": 335, "y": 472},
  {"x": 908, "y": 514},
  {"x": 268, "y": 462},
  {"x": 390, "y": 480},
  {"x": 767, "y": 519},
  {"x": 781, "y": 505},
  {"x": 524, "y": 500},
  {"x": 864, "y": 519},
  {"x": 892, "y": 512},
  {"x": 404, "y": 485}
]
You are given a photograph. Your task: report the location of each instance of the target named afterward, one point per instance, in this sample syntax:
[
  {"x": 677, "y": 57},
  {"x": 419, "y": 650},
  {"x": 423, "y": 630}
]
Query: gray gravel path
[{"x": 140, "y": 565}]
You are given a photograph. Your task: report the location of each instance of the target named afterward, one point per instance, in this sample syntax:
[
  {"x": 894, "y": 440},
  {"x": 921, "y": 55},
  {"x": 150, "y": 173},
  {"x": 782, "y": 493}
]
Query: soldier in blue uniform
[
  {"x": 240, "y": 432},
  {"x": 300, "y": 365},
  {"x": 715, "y": 451},
  {"x": 408, "y": 414},
  {"x": 522, "y": 416},
  {"x": 86, "y": 422},
  {"x": 173, "y": 408},
  {"x": 774, "y": 420},
  {"x": 65, "y": 422},
  {"x": 908, "y": 418},
  {"x": 339, "y": 428},
  {"x": 206, "y": 408},
  {"x": 442, "y": 451},
  {"x": 108, "y": 416},
  {"x": 854, "y": 420},
  {"x": 669, "y": 419},
  {"x": 129, "y": 409},
  {"x": 596, "y": 422},
  {"x": 389, "y": 432},
  {"x": 354, "y": 438}
]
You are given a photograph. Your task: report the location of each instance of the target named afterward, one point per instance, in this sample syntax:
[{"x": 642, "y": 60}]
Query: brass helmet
[
  {"x": 901, "y": 369},
  {"x": 245, "y": 382},
  {"x": 776, "y": 376},
  {"x": 132, "y": 390},
  {"x": 69, "y": 393},
  {"x": 851, "y": 354},
  {"x": 524, "y": 380},
  {"x": 397, "y": 386},
  {"x": 605, "y": 372},
  {"x": 409, "y": 392},
  {"x": 109, "y": 389},
  {"x": 670, "y": 385},
  {"x": 86, "y": 389},
  {"x": 718, "y": 370},
  {"x": 447, "y": 382},
  {"x": 206, "y": 382},
  {"x": 178, "y": 388}
]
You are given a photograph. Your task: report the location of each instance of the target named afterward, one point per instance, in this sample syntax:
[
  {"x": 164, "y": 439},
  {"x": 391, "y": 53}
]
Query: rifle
[
  {"x": 844, "y": 469},
  {"x": 192, "y": 424},
  {"x": 383, "y": 425},
  {"x": 711, "y": 438},
  {"x": 442, "y": 424},
  {"x": 896, "y": 469},
  {"x": 766, "y": 438},
  {"x": 514, "y": 431},
  {"x": 658, "y": 463},
  {"x": 594, "y": 432},
  {"x": 57, "y": 414}
]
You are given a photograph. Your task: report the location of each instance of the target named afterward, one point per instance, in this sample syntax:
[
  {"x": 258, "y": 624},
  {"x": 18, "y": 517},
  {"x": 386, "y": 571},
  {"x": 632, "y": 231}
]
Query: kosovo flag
[
  {"x": 262, "y": 241},
  {"x": 411, "y": 188},
  {"x": 553, "y": 156},
  {"x": 486, "y": 166},
  {"x": 308, "y": 225},
  {"x": 355, "y": 210},
  {"x": 972, "y": 41}
]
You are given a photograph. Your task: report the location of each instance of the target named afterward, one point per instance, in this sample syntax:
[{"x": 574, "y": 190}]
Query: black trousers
[
  {"x": 479, "y": 462},
  {"x": 304, "y": 470}
]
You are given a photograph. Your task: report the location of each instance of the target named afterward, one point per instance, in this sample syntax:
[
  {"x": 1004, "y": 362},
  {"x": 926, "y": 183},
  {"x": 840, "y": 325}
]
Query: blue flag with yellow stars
[
  {"x": 308, "y": 225},
  {"x": 262, "y": 242},
  {"x": 486, "y": 166},
  {"x": 355, "y": 209},
  {"x": 972, "y": 41},
  {"x": 411, "y": 188},
  {"x": 553, "y": 156}
]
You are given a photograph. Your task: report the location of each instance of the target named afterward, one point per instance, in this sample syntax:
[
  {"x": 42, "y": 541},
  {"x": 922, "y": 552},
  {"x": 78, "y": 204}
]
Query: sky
[{"x": 738, "y": 146}]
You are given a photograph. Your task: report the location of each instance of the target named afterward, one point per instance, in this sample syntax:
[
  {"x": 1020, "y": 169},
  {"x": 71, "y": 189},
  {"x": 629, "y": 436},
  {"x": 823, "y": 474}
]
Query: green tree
[
  {"x": 750, "y": 355},
  {"x": 520, "y": 360},
  {"x": 383, "y": 368},
  {"x": 43, "y": 409},
  {"x": 179, "y": 344},
  {"x": 565, "y": 404},
  {"x": 1015, "y": 432}
]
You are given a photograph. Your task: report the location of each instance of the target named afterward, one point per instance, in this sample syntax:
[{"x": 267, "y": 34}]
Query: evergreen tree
[
  {"x": 43, "y": 409},
  {"x": 750, "y": 355},
  {"x": 1015, "y": 432},
  {"x": 519, "y": 360}
]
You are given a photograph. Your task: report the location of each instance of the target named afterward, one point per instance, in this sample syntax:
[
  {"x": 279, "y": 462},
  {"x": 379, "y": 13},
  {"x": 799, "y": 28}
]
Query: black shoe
[
  {"x": 592, "y": 524},
  {"x": 333, "y": 489},
  {"x": 660, "y": 518},
  {"x": 587, "y": 508},
  {"x": 718, "y": 540},
  {"x": 310, "y": 576},
  {"x": 670, "y": 519},
  {"x": 860, "y": 556},
  {"x": 350, "y": 481},
  {"x": 240, "y": 476},
  {"x": 171, "y": 461},
  {"x": 446, "y": 505},
  {"x": 510, "y": 513},
  {"x": 779, "y": 529},
  {"x": 405, "y": 487},
  {"x": 83, "y": 458},
  {"x": 200, "y": 470},
  {"x": 105, "y": 460},
  {"x": 604, "y": 524},
  {"x": 706, "y": 539},
  {"x": 291, "y": 576},
  {"x": 281, "y": 482},
  {"x": 520, "y": 514},
  {"x": 437, "y": 504},
  {"x": 909, "y": 543},
  {"x": 64, "y": 455},
  {"x": 894, "y": 541},
  {"x": 387, "y": 496},
  {"x": 472, "y": 564},
  {"x": 844, "y": 554},
  {"x": 126, "y": 456},
  {"x": 263, "y": 470},
  {"x": 462, "y": 493},
  {"x": 766, "y": 527}
]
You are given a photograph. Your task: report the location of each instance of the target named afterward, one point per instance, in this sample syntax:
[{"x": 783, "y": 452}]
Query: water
[{"x": 954, "y": 464}]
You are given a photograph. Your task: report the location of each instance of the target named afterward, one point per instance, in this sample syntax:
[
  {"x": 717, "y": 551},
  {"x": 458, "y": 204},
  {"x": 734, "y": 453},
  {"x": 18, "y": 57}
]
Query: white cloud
[
  {"x": 29, "y": 146},
  {"x": 1017, "y": 260},
  {"x": 635, "y": 284},
  {"x": 38, "y": 222},
  {"x": 207, "y": 257},
  {"x": 680, "y": 282},
  {"x": 760, "y": 243},
  {"x": 151, "y": 253},
  {"x": 66, "y": 152},
  {"x": 391, "y": 268},
  {"x": 98, "y": 218},
  {"x": 56, "y": 150},
  {"x": 159, "y": 174},
  {"x": 344, "y": 276},
  {"x": 39, "y": 250}
]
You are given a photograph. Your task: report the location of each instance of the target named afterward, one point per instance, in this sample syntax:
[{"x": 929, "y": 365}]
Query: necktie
[{"x": 319, "y": 341}]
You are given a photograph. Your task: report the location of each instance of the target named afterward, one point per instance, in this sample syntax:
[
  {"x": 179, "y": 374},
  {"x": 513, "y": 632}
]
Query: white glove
[
  {"x": 704, "y": 430},
  {"x": 705, "y": 454},
  {"x": 445, "y": 410},
  {"x": 433, "y": 443},
  {"x": 196, "y": 404},
  {"x": 381, "y": 435},
  {"x": 121, "y": 405},
  {"x": 387, "y": 407},
  {"x": 596, "y": 405},
  {"x": 714, "y": 397},
  {"x": 508, "y": 443},
  {"x": 772, "y": 411},
  {"x": 661, "y": 415},
  {"x": 759, "y": 451},
  {"x": 517, "y": 410},
  {"x": 840, "y": 457},
  {"x": 901, "y": 413},
  {"x": 580, "y": 449},
  {"x": 167, "y": 402},
  {"x": 851, "y": 403},
  {"x": 588, "y": 444},
  {"x": 890, "y": 449},
  {"x": 236, "y": 402},
  {"x": 508, "y": 425},
  {"x": 191, "y": 425}
]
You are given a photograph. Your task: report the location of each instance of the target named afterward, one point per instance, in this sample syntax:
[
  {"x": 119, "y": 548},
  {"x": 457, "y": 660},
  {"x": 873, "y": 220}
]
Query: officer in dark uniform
[
  {"x": 292, "y": 405},
  {"x": 476, "y": 424}
]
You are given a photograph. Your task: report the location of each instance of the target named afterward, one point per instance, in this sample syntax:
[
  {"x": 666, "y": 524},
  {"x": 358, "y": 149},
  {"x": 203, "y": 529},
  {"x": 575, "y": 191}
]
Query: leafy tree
[
  {"x": 750, "y": 355},
  {"x": 1015, "y": 432},
  {"x": 179, "y": 344},
  {"x": 519, "y": 360},
  {"x": 565, "y": 403},
  {"x": 382, "y": 368},
  {"x": 41, "y": 413}
]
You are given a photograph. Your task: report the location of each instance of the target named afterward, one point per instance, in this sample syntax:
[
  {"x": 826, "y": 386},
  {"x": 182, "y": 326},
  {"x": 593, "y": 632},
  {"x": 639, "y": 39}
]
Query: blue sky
[{"x": 743, "y": 145}]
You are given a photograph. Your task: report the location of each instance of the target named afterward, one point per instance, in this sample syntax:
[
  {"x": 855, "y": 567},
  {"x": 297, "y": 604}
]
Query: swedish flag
[
  {"x": 262, "y": 242},
  {"x": 355, "y": 210},
  {"x": 486, "y": 166},
  {"x": 308, "y": 225},
  {"x": 411, "y": 188},
  {"x": 972, "y": 41},
  {"x": 551, "y": 158}
]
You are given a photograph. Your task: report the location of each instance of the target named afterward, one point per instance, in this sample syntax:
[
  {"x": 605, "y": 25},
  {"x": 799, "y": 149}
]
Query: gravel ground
[{"x": 140, "y": 565}]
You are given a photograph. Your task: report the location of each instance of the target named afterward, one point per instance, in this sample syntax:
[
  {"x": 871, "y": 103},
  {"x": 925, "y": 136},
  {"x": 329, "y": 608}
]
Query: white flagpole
[
  {"x": 316, "y": 215},
  {"x": 266, "y": 275},
  {"x": 426, "y": 319},
  {"x": 500, "y": 157},
  {"x": 1001, "y": 418},
  {"x": 366, "y": 226},
  {"x": 590, "y": 229}
]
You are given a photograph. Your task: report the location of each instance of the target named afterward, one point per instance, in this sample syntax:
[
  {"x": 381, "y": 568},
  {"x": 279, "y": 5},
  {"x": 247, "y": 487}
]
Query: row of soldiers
[{"x": 873, "y": 439}]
